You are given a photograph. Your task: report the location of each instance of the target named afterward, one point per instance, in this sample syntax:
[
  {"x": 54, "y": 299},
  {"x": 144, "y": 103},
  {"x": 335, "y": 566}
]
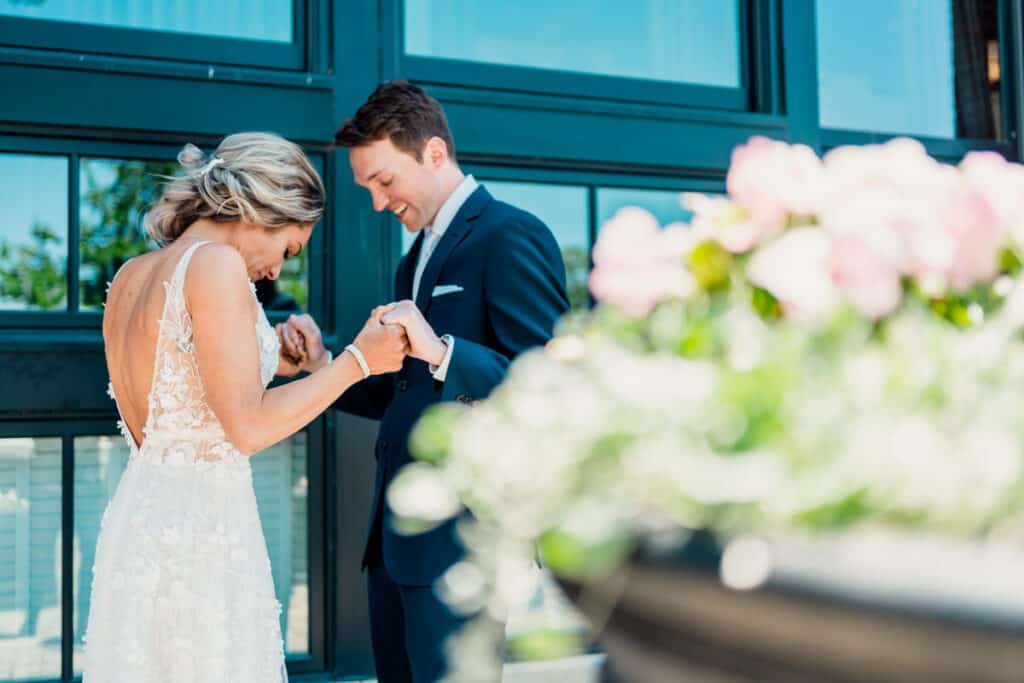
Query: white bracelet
[{"x": 358, "y": 355}]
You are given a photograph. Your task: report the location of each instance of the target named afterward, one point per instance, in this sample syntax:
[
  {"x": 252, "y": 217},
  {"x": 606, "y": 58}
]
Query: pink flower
[
  {"x": 773, "y": 179},
  {"x": 1002, "y": 185},
  {"x": 637, "y": 264},
  {"x": 917, "y": 215},
  {"x": 730, "y": 225},
  {"x": 795, "y": 269},
  {"x": 867, "y": 279}
]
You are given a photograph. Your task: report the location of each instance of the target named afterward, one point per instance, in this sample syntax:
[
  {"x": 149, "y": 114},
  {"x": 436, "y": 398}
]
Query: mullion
[
  {"x": 317, "y": 549},
  {"x": 74, "y": 234},
  {"x": 592, "y": 229},
  {"x": 67, "y": 577}
]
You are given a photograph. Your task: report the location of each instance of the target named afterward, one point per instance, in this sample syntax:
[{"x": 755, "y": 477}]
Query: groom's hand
[
  {"x": 301, "y": 338},
  {"x": 423, "y": 342}
]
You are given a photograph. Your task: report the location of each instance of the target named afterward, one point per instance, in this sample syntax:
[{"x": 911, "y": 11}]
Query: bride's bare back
[{"x": 131, "y": 324}]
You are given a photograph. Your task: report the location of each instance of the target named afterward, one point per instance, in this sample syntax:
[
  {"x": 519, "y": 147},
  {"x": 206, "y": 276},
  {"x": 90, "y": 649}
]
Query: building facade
[{"x": 569, "y": 109}]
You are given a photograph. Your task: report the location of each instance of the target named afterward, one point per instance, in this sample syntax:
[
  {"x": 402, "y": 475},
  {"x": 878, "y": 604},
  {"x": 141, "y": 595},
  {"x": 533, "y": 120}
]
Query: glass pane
[
  {"x": 663, "y": 204},
  {"x": 681, "y": 41},
  {"x": 114, "y": 195},
  {"x": 99, "y": 462},
  {"x": 563, "y": 208},
  {"x": 33, "y": 232},
  {"x": 279, "y": 477},
  {"x": 30, "y": 558},
  {"x": 269, "y": 20},
  {"x": 922, "y": 67}
]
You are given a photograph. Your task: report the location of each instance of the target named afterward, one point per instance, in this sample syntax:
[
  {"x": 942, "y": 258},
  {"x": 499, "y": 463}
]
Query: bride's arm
[{"x": 224, "y": 318}]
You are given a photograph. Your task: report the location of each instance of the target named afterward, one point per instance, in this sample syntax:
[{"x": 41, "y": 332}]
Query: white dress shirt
[{"x": 433, "y": 235}]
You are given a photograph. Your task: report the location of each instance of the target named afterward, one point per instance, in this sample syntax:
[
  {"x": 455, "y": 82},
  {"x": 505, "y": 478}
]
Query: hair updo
[{"x": 257, "y": 178}]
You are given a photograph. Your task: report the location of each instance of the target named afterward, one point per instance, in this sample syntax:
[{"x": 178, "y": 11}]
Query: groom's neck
[{"x": 450, "y": 177}]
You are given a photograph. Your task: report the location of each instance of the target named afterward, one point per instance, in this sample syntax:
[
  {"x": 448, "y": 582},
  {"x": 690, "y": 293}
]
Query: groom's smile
[{"x": 410, "y": 186}]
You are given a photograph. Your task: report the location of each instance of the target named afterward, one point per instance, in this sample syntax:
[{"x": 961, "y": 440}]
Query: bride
[{"x": 182, "y": 588}]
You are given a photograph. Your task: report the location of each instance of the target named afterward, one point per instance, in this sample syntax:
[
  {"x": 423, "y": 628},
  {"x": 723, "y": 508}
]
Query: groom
[{"x": 483, "y": 282}]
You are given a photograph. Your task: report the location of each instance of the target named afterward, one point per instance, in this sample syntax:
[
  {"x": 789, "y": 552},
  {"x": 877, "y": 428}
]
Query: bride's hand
[
  {"x": 302, "y": 339},
  {"x": 423, "y": 341},
  {"x": 383, "y": 346}
]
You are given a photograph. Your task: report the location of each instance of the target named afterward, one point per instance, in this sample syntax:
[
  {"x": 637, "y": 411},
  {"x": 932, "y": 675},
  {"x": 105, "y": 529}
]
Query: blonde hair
[{"x": 257, "y": 178}]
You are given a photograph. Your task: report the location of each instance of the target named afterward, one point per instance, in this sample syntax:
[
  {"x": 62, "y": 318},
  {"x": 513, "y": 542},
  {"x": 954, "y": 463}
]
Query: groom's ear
[{"x": 436, "y": 152}]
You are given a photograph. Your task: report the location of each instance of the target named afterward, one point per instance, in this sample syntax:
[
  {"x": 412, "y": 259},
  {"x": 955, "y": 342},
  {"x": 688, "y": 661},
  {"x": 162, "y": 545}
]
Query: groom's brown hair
[{"x": 401, "y": 111}]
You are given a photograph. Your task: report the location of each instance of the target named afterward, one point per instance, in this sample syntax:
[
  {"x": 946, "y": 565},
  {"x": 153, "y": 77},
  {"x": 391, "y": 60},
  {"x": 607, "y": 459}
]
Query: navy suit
[{"x": 512, "y": 277}]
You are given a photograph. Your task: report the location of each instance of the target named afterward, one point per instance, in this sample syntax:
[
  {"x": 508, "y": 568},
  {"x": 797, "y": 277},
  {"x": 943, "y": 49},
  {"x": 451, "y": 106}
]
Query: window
[
  {"x": 563, "y": 208},
  {"x": 114, "y": 195},
  {"x": 270, "y": 33},
  {"x": 99, "y": 463},
  {"x": 678, "y": 41},
  {"x": 270, "y": 20},
  {"x": 685, "y": 52},
  {"x": 33, "y": 233},
  {"x": 664, "y": 205},
  {"x": 926, "y": 68},
  {"x": 30, "y": 558}
]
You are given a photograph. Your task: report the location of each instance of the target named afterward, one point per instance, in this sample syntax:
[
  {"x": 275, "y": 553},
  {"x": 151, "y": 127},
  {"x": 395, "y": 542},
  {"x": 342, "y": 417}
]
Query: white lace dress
[{"x": 182, "y": 589}]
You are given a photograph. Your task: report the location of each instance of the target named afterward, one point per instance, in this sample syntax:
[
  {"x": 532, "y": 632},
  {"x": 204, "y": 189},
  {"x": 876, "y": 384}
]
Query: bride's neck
[{"x": 211, "y": 231}]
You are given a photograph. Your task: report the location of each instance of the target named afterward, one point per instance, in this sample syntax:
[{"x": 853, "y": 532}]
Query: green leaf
[
  {"x": 544, "y": 644},
  {"x": 710, "y": 263},
  {"x": 431, "y": 437},
  {"x": 568, "y": 555}
]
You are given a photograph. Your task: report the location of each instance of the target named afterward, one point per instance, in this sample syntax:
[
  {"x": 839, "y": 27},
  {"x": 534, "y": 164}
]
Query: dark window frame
[
  {"x": 67, "y": 36},
  {"x": 584, "y": 86}
]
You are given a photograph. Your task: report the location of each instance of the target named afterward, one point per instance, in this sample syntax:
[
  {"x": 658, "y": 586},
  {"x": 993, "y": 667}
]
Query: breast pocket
[{"x": 447, "y": 311}]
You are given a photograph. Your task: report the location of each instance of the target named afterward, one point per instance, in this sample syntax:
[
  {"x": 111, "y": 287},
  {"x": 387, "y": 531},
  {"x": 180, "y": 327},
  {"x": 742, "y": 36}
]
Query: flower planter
[{"x": 674, "y": 621}]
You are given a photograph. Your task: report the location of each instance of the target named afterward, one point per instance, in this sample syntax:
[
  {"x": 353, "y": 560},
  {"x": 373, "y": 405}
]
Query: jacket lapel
[
  {"x": 406, "y": 269},
  {"x": 459, "y": 228}
]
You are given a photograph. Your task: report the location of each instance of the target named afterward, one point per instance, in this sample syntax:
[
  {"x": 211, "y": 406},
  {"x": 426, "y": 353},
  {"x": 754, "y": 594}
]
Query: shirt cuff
[{"x": 440, "y": 372}]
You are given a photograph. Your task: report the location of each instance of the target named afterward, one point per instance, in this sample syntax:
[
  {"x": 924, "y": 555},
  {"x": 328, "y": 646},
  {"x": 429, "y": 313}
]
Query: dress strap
[{"x": 178, "y": 278}]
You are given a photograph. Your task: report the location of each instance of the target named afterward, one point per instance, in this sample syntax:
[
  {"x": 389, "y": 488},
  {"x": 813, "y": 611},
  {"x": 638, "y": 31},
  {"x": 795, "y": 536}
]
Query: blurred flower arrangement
[{"x": 836, "y": 342}]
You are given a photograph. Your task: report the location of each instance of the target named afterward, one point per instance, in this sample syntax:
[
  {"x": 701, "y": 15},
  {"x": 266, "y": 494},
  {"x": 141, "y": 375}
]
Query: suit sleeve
[
  {"x": 524, "y": 290},
  {"x": 369, "y": 398}
]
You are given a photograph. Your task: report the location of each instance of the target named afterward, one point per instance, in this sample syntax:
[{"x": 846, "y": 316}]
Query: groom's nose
[{"x": 380, "y": 201}]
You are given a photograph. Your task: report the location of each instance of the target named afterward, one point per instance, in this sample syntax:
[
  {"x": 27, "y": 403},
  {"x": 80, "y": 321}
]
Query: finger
[
  {"x": 294, "y": 341},
  {"x": 307, "y": 326}
]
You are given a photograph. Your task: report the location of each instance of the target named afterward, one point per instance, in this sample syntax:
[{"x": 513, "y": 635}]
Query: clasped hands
[{"x": 391, "y": 333}]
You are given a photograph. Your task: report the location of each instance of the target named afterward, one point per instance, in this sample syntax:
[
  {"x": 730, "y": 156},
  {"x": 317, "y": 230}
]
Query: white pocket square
[{"x": 441, "y": 290}]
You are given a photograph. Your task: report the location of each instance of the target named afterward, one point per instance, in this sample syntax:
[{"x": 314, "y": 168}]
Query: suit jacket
[{"x": 512, "y": 277}]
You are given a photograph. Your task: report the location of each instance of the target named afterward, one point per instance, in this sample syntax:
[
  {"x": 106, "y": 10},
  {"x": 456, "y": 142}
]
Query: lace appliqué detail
[{"x": 181, "y": 428}]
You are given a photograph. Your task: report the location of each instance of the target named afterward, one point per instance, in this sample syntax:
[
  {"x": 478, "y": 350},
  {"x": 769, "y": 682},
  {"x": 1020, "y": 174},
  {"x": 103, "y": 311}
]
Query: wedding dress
[{"x": 182, "y": 589}]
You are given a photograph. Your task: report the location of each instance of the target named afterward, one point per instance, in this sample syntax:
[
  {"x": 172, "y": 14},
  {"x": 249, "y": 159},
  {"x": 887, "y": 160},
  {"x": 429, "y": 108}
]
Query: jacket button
[{"x": 403, "y": 385}]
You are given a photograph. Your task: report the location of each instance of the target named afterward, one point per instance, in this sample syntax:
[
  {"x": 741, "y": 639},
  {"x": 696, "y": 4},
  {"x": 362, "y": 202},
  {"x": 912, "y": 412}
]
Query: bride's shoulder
[{"x": 216, "y": 269}]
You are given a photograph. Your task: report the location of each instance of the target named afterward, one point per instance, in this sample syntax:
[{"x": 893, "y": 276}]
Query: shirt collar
[{"x": 451, "y": 206}]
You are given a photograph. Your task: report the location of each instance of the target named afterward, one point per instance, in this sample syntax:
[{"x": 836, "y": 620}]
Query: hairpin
[{"x": 215, "y": 161}]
